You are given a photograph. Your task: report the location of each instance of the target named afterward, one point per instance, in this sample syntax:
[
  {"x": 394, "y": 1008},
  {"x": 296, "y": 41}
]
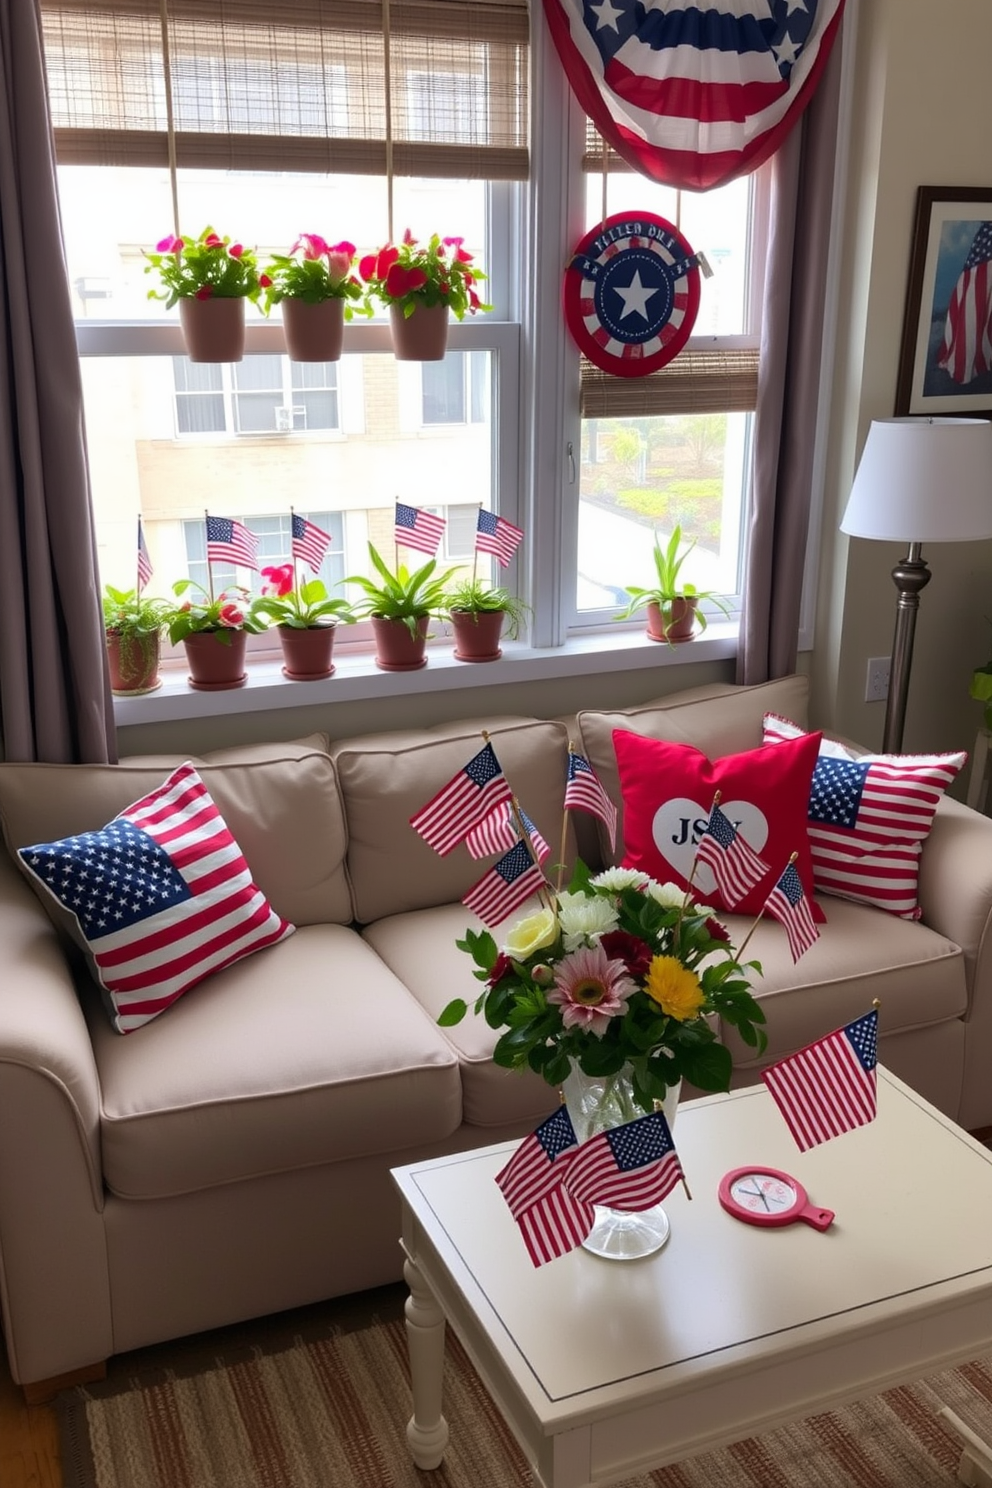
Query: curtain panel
[{"x": 55, "y": 702}]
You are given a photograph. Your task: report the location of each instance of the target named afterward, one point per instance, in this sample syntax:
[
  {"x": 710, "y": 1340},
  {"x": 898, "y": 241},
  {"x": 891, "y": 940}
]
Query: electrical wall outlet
[{"x": 877, "y": 682}]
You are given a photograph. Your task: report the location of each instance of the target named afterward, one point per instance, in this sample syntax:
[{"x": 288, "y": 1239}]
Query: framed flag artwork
[{"x": 945, "y": 363}]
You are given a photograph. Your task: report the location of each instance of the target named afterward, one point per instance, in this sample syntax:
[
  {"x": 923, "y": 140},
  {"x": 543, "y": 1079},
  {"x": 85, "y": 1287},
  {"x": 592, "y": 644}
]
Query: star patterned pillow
[{"x": 158, "y": 899}]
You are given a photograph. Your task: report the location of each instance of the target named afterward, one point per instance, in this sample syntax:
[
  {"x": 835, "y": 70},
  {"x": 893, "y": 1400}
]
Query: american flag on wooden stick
[
  {"x": 550, "y": 1220},
  {"x": 505, "y": 887},
  {"x": 144, "y": 562},
  {"x": 735, "y": 865},
  {"x": 463, "y": 803},
  {"x": 497, "y": 536},
  {"x": 229, "y": 541},
  {"x": 630, "y": 1167},
  {"x": 829, "y": 1087},
  {"x": 418, "y": 529},
  {"x": 310, "y": 542},
  {"x": 498, "y": 831},
  {"x": 788, "y": 904},
  {"x": 584, "y": 792}
]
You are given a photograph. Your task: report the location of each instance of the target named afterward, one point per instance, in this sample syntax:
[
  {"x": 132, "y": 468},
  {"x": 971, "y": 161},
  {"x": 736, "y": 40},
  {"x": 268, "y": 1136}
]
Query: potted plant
[
  {"x": 214, "y": 631},
  {"x": 306, "y": 618},
  {"x": 210, "y": 278},
  {"x": 479, "y": 616},
  {"x": 133, "y": 626},
  {"x": 419, "y": 284},
  {"x": 318, "y": 292},
  {"x": 401, "y": 607},
  {"x": 673, "y": 603}
]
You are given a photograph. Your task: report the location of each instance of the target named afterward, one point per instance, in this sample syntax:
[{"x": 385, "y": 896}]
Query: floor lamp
[{"x": 919, "y": 480}]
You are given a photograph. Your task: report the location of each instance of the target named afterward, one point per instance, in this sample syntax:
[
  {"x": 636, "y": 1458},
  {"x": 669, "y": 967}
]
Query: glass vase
[{"x": 595, "y": 1103}]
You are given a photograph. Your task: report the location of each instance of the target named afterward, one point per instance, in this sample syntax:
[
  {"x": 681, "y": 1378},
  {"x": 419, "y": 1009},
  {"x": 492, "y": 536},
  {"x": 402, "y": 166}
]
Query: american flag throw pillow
[
  {"x": 869, "y": 816},
  {"x": 162, "y": 897}
]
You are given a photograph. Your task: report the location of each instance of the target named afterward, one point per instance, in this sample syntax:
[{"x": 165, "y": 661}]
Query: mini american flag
[
  {"x": 463, "y": 803},
  {"x": 549, "y": 1219},
  {"x": 497, "y": 536},
  {"x": 310, "y": 542},
  {"x": 418, "y": 529},
  {"x": 829, "y": 1087},
  {"x": 162, "y": 894},
  {"x": 788, "y": 904},
  {"x": 585, "y": 793},
  {"x": 736, "y": 866},
  {"x": 966, "y": 352},
  {"x": 231, "y": 542},
  {"x": 629, "y": 1167},
  {"x": 498, "y": 831},
  {"x": 144, "y": 562},
  {"x": 688, "y": 96},
  {"x": 507, "y": 884}
]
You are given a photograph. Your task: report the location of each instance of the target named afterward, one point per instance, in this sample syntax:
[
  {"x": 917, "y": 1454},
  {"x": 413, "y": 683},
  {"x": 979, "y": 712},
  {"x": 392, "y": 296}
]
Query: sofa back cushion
[
  {"x": 717, "y": 720},
  {"x": 284, "y": 811},
  {"x": 387, "y": 778}
]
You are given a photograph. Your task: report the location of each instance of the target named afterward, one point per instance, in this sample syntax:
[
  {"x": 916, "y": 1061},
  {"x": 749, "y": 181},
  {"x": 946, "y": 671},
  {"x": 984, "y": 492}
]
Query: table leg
[
  {"x": 427, "y": 1430},
  {"x": 975, "y": 1466}
]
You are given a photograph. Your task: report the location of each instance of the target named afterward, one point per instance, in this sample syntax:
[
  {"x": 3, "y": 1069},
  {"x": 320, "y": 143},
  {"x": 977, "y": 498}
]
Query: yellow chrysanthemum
[{"x": 674, "y": 988}]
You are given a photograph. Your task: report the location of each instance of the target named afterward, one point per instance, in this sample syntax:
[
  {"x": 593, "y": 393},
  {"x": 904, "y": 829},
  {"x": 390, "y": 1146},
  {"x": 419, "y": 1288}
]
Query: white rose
[
  {"x": 532, "y": 933},
  {"x": 584, "y": 919}
]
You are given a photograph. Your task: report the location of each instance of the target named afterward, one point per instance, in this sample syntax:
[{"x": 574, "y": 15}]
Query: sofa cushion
[
  {"x": 720, "y": 719},
  {"x": 420, "y": 948},
  {"x": 917, "y": 976},
  {"x": 312, "y": 1053},
  {"x": 158, "y": 899},
  {"x": 668, "y": 790},
  {"x": 284, "y": 810},
  {"x": 869, "y": 816},
  {"x": 388, "y": 778}
]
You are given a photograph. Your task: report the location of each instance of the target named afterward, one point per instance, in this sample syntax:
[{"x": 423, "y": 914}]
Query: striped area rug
[{"x": 330, "y": 1412}]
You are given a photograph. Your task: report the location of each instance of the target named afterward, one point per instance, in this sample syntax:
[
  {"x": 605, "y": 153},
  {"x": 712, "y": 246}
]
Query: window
[
  {"x": 261, "y": 395},
  {"x": 454, "y": 391}
]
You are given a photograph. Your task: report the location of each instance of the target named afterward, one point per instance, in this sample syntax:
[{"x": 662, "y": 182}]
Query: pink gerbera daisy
[{"x": 591, "y": 989}]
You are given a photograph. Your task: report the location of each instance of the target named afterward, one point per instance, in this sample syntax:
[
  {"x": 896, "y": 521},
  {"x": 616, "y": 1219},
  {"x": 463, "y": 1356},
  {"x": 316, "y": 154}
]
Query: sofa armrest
[
  {"x": 54, "y": 1286},
  {"x": 955, "y": 888}
]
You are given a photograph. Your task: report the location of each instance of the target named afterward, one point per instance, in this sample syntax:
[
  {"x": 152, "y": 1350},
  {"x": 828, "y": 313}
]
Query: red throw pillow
[{"x": 667, "y": 793}]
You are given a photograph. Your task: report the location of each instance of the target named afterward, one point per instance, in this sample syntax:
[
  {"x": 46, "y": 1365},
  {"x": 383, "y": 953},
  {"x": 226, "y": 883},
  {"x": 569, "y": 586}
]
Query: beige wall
[{"x": 923, "y": 116}]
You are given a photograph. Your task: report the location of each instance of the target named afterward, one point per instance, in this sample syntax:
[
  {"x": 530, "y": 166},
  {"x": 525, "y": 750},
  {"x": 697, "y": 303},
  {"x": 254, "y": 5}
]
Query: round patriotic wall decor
[{"x": 631, "y": 293}]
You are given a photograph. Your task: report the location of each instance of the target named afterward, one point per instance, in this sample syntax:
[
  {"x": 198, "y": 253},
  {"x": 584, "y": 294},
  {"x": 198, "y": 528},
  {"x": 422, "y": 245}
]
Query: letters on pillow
[
  {"x": 161, "y": 896},
  {"x": 869, "y": 816},
  {"x": 667, "y": 793}
]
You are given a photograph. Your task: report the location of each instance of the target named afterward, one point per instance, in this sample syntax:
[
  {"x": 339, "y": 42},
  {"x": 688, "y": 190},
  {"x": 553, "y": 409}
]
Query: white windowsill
[{"x": 357, "y": 676}]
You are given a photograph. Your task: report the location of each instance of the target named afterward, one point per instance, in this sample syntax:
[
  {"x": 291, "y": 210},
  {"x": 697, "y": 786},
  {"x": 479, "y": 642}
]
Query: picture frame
[{"x": 945, "y": 367}]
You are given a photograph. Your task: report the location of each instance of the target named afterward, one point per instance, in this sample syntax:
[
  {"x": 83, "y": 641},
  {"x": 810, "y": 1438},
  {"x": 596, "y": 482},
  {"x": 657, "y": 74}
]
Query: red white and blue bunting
[
  {"x": 693, "y": 97},
  {"x": 631, "y": 293}
]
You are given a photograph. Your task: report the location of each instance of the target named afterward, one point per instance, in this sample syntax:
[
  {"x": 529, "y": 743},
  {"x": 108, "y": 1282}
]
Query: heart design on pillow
[{"x": 679, "y": 823}]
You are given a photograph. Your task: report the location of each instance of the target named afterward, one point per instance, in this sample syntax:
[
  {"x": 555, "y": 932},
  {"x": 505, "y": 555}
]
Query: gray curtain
[
  {"x": 789, "y": 386},
  {"x": 55, "y": 701}
]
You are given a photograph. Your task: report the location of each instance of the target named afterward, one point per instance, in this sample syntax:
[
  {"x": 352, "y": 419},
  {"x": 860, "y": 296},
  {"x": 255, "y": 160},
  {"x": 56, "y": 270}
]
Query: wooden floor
[{"x": 29, "y": 1439}]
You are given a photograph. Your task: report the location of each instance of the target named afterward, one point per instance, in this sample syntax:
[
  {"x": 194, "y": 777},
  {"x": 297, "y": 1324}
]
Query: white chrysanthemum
[
  {"x": 615, "y": 879},
  {"x": 584, "y": 918},
  {"x": 668, "y": 895}
]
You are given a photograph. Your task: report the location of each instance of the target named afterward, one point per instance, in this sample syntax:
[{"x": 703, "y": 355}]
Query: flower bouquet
[{"x": 621, "y": 978}]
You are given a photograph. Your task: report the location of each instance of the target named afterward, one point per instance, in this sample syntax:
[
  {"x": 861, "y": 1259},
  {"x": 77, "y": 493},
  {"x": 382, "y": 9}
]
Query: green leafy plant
[
  {"x": 132, "y": 615},
  {"x": 981, "y": 689},
  {"x": 439, "y": 272},
  {"x": 314, "y": 271},
  {"x": 474, "y": 597},
  {"x": 618, "y": 970},
  {"x": 668, "y": 561},
  {"x": 404, "y": 595},
  {"x": 233, "y": 609},
  {"x": 204, "y": 268},
  {"x": 301, "y": 606}
]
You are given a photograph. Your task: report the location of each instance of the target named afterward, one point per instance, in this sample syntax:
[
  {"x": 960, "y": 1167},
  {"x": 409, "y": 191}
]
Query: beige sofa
[{"x": 232, "y": 1157}]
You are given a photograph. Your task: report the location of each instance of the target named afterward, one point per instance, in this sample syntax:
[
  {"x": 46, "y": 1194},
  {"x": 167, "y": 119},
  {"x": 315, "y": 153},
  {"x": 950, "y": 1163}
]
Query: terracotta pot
[
  {"x": 214, "y": 330},
  {"x": 396, "y": 650},
  {"x": 216, "y": 659},
  {"x": 306, "y": 654},
  {"x": 675, "y": 623},
  {"x": 133, "y": 661},
  {"x": 314, "y": 333},
  {"x": 422, "y": 336},
  {"x": 477, "y": 634}
]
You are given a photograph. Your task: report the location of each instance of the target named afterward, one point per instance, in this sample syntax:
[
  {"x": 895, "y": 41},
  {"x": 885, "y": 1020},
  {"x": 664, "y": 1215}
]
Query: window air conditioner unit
[{"x": 284, "y": 421}]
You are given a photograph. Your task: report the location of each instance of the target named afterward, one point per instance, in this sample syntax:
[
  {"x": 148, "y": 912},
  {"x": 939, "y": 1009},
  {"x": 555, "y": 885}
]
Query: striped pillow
[
  {"x": 159, "y": 898},
  {"x": 869, "y": 816}
]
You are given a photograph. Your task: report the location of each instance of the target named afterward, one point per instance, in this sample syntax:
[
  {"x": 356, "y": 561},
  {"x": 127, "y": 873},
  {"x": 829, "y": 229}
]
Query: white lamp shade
[{"x": 923, "y": 480}]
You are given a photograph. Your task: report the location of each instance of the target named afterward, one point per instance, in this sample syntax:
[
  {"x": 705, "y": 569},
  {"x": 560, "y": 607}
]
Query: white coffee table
[{"x": 603, "y": 1369}]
